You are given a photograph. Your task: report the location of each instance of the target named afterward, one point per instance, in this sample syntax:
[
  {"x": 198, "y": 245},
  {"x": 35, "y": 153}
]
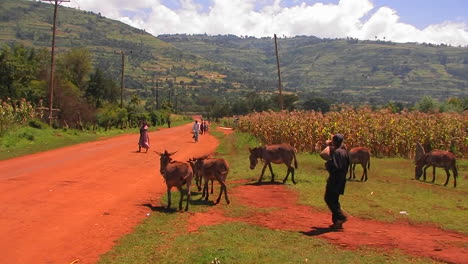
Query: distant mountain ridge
[
  {"x": 227, "y": 66},
  {"x": 354, "y": 69}
]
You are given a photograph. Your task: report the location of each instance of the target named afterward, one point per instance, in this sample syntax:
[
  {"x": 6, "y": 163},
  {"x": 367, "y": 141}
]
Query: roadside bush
[{"x": 34, "y": 123}]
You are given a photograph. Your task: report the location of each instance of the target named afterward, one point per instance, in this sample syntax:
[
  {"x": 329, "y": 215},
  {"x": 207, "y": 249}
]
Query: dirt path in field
[{"x": 73, "y": 203}]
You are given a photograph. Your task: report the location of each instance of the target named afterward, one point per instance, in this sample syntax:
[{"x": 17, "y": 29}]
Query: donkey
[
  {"x": 198, "y": 176},
  {"x": 278, "y": 153},
  {"x": 359, "y": 155},
  {"x": 212, "y": 169},
  {"x": 176, "y": 174},
  {"x": 435, "y": 158}
]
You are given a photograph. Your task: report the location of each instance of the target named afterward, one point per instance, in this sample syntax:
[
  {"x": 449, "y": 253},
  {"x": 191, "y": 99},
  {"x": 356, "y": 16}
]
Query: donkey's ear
[
  {"x": 158, "y": 153},
  {"x": 250, "y": 150},
  {"x": 170, "y": 154},
  {"x": 419, "y": 151}
]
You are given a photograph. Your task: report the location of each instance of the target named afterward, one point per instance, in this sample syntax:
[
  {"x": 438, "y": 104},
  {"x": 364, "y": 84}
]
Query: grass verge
[{"x": 24, "y": 140}]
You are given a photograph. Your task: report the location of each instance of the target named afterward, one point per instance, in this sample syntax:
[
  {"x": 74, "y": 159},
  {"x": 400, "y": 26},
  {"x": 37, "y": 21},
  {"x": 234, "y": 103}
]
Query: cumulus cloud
[{"x": 349, "y": 18}]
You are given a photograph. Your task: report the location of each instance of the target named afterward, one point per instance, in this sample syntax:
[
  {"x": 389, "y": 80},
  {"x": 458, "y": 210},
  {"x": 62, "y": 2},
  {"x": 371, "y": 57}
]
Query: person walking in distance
[
  {"x": 337, "y": 168},
  {"x": 196, "y": 130},
  {"x": 144, "y": 141}
]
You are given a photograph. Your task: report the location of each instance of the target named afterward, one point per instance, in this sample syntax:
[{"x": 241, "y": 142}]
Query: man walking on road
[
  {"x": 196, "y": 130},
  {"x": 337, "y": 168}
]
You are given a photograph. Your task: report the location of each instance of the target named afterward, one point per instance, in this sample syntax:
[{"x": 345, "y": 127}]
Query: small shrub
[{"x": 34, "y": 123}]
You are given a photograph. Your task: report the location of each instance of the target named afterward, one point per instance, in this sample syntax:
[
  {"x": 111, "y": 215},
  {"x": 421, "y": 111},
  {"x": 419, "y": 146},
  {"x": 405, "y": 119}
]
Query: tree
[
  {"x": 75, "y": 66},
  {"x": 317, "y": 104},
  {"x": 18, "y": 67},
  {"x": 427, "y": 104},
  {"x": 101, "y": 89}
]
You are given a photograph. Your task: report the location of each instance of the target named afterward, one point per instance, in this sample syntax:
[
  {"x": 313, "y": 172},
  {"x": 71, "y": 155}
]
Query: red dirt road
[{"x": 73, "y": 203}]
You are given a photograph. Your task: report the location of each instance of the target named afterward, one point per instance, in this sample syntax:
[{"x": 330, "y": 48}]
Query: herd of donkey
[{"x": 179, "y": 173}]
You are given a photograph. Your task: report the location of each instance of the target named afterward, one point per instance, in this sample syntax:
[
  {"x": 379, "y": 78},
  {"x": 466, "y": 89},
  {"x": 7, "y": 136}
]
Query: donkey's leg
[
  {"x": 448, "y": 176},
  {"x": 455, "y": 175},
  {"x": 354, "y": 170},
  {"x": 181, "y": 191},
  {"x": 433, "y": 174},
  {"x": 222, "y": 189},
  {"x": 211, "y": 186},
  {"x": 424, "y": 172},
  {"x": 364, "y": 172},
  {"x": 271, "y": 171},
  {"x": 263, "y": 171},
  {"x": 350, "y": 171},
  {"x": 205, "y": 190},
  {"x": 292, "y": 175},
  {"x": 287, "y": 173},
  {"x": 169, "y": 197},
  {"x": 188, "y": 196}
]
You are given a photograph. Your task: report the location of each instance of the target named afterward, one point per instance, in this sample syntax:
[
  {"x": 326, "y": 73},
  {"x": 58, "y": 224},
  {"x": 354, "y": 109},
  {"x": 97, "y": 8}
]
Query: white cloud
[{"x": 240, "y": 17}]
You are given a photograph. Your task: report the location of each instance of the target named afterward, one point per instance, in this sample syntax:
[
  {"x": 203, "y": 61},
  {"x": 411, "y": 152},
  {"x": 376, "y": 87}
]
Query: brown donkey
[
  {"x": 212, "y": 169},
  {"x": 435, "y": 158},
  {"x": 176, "y": 174},
  {"x": 278, "y": 153},
  {"x": 359, "y": 155}
]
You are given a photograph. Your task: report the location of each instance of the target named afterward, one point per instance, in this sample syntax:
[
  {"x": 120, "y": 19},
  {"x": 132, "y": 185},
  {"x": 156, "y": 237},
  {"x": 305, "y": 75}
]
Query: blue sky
[
  {"x": 433, "y": 21},
  {"x": 419, "y": 13}
]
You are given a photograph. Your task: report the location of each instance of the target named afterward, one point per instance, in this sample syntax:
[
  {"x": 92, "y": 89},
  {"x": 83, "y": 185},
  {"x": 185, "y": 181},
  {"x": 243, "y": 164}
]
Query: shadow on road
[{"x": 317, "y": 231}]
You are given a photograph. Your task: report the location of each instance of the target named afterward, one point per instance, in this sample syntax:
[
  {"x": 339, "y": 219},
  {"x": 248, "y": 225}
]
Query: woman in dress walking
[{"x": 144, "y": 141}]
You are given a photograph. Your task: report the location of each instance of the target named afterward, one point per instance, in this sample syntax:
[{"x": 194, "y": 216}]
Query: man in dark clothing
[{"x": 337, "y": 168}]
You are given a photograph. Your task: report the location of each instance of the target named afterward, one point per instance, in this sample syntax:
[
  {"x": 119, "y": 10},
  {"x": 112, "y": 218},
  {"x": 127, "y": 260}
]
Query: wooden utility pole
[
  {"x": 52, "y": 63},
  {"x": 156, "y": 91},
  {"x": 122, "y": 76},
  {"x": 279, "y": 75}
]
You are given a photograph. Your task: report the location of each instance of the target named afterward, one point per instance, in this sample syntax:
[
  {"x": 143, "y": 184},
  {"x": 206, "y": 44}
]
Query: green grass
[
  {"x": 163, "y": 237},
  {"x": 234, "y": 243},
  {"x": 390, "y": 189},
  {"x": 24, "y": 140}
]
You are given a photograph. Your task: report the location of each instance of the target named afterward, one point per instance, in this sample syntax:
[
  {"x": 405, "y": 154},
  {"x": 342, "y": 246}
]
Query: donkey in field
[
  {"x": 435, "y": 158},
  {"x": 359, "y": 155},
  {"x": 176, "y": 174},
  {"x": 278, "y": 153},
  {"x": 212, "y": 169}
]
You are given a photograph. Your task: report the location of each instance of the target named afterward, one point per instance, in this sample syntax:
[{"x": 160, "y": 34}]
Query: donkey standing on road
[
  {"x": 359, "y": 155},
  {"x": 278, "y": 153},
  {"x": 212, "y": 169},
  {"x": 176, "y": 174},
  {"x": 435, "y": 158}
]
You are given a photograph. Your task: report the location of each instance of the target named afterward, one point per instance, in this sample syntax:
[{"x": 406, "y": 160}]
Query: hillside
[
  {"x": 227, "y": 67},
  {"x": 374, "y": 71},
  {"x": 29, "y": 23}
]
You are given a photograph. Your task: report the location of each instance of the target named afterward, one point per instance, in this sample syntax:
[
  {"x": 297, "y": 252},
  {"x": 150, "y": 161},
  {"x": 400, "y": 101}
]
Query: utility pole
[
  {"x": 156, "y": 94},
  {"x": 279, "y": 76},
  {"x": 52, "y": 64},
  {"x": 122, "y": 75}
]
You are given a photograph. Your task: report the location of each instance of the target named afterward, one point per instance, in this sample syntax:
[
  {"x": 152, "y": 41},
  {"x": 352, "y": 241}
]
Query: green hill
[
  {"x": 358, "y": 71},
  {"x": 29, "y": 23},
  {"x": 207, "y": 68}
]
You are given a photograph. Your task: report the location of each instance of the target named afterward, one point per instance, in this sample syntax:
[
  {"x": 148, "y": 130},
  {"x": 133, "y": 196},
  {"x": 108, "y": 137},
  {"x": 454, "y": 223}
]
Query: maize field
[{"x": 385, "y": 133}]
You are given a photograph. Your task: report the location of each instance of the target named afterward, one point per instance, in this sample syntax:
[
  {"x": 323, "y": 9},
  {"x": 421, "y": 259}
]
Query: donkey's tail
[{"x": 368, "y": 164}]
